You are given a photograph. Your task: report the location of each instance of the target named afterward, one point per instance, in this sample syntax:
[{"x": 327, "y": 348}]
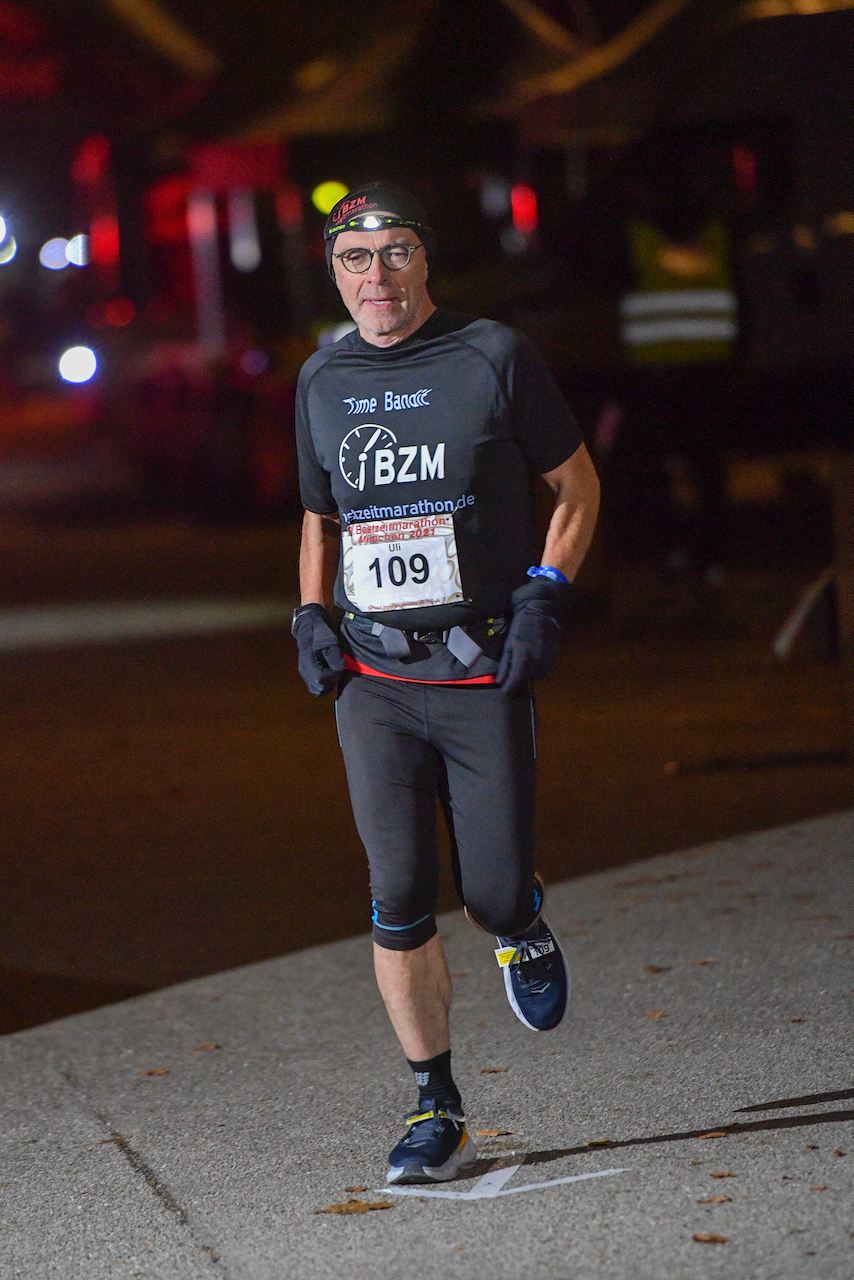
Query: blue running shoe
[
  {"x": 435, "y": 1148},
  {"x": 536, "y": 977}
]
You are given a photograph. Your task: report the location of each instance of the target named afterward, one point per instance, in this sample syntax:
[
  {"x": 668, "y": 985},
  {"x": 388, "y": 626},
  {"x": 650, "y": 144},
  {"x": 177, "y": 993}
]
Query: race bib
[{"x": 401, "y": 564}]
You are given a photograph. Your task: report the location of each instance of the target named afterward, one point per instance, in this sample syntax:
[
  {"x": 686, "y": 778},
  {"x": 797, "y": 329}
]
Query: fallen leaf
[
  {"x": 697, "y": 963},
  {"x": 203, "y": 1048},
  {"x": 657, "y": 968},
  {"x": 696, "y": 1162},
  {"x": 599, "y": 1142},
  {"x": 823, "y": 1187},
  {"x": 706, "y": 1237},
  {"x": 156, "y": 1071},
  {"x": 355, "y": 1188},
  {"x": 841, "y": 936},
  {"x": 637, "y": 897},
  {"x": 493, "y": 1071},
  {"x": 354, "y": 1206},
  {"x": 103, "y": 1142},
  {"x": 811, "y": 1147},
  {"x": 837, "y": 1152},
  {"x": 785, "y": 1178},
  {"x": 644, "y": 880},
  {"x": 656, "y": 1013},
  {"x": 493, "y": 1133},
  {"x": 714, "y": 1200},
  {"x": 715, "y": 1133},
  {"x": 721, "y": 1175},
  {"x": 796, "y": 1019}
]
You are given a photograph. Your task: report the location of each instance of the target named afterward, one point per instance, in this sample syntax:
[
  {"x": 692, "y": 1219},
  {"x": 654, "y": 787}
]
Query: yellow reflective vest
[{"x": 684, "y": 310}]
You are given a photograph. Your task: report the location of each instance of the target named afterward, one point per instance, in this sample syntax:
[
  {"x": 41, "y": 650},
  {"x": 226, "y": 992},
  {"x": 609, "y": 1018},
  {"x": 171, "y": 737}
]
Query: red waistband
[{"x": 352, "y": 665}]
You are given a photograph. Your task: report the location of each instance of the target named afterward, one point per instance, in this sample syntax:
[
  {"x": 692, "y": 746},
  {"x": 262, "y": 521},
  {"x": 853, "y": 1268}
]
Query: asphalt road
[
  {"x": 691, "y": 1117},
  {"x": 176, "y": 807}
]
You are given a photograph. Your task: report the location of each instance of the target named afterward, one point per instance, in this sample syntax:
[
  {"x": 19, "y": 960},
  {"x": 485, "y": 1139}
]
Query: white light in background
[
  {"x": 77, "y": 251},
  {"x": 333, "y": 332},
  {"x": 494, "y": 196},
  {"x": 3, "y": 228},
  {"x": 244, "y": 245},
  {"x": 204, "y": 249},
  {"x": 77, "y": 364},
  {"x": 8, "y": 249},
  {"x": 53, "y": 254},
  {"x": 513, "y": 241}
]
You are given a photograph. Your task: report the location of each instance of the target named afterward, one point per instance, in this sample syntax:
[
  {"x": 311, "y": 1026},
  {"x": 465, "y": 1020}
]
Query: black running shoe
[
  {"x": 536, "y": 977},
  {"x": 434, "y": 1149}
]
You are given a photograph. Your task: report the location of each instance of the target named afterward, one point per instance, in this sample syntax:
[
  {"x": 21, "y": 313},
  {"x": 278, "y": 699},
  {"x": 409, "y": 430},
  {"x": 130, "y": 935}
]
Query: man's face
[{"x": 386, "y": 305}]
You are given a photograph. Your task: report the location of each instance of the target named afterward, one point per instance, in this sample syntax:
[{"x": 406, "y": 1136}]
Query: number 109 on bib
[{"x": 401, "y": 564}]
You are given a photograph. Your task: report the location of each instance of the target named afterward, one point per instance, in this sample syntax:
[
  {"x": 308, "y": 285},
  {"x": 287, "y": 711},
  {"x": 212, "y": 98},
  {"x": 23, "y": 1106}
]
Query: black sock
[{"x": 435, "y": 1081}]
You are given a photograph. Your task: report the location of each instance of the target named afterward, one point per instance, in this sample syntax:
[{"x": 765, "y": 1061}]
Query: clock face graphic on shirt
[{"x": 357, "y": 449}]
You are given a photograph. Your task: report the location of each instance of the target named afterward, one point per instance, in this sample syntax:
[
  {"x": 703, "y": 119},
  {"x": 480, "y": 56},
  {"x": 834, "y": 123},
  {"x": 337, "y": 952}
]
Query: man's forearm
[
  {"x": 318, "y": 558},
  {"x": 576, "y": 489}
]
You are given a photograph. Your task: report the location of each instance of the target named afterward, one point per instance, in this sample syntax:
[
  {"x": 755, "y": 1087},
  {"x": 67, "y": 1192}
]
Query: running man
[{"x": 416, "y": 436}]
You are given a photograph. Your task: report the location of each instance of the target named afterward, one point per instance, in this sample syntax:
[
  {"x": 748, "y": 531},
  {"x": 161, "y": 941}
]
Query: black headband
[
  {"x": 388, "y": 206},
  {"x": 372, "y": 222}
]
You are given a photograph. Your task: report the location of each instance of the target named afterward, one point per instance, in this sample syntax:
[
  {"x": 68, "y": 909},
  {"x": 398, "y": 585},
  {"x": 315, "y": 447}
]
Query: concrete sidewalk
[{"x": 195, "y": 1132}]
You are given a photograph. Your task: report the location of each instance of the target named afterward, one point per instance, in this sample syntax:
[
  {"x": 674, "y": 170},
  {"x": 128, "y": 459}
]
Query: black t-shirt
[{"x": 441, "y": 429}]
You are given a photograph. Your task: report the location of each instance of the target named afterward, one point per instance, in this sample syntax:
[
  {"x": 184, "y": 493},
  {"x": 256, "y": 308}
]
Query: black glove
[
  {"x": 532, "y": 647},
  {"x": 321, "y": 661}
]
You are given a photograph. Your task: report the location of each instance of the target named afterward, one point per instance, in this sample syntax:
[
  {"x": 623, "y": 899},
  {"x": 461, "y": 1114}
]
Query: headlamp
[{"x": 370, "y": 222}]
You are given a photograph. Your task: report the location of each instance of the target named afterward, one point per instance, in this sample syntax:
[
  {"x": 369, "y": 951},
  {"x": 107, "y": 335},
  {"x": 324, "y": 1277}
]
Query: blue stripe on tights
[{"x": 395, "y": 928}]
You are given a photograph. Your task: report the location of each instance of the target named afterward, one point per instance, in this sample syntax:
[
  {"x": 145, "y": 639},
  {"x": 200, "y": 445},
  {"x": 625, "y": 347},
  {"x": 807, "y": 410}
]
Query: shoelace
[
  {"x": 537, "y": 972},
  {"x": 420, "y": 1134}
]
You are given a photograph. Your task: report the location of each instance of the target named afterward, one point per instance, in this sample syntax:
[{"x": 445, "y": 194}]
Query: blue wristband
[{"x": 546, "y": 571}]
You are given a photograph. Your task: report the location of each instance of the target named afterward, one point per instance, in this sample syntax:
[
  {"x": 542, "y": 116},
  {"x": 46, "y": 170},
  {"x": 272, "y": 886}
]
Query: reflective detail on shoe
[
  {"x": 435, "y": 1148},
  {"x": 534, "y": 949},
  {"x": 536, "y": 978}
]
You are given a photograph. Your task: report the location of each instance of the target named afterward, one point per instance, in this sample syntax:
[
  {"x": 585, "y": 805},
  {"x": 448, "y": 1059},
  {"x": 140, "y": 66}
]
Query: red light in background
[
  {"x": 166, "y": 210},
  {"x": 222, "y": 166},
  {"x": 104, "y": 240},
  {"x": 119, "y": 312},
  {"x": 745, "y": 170},
  {"x": 24, "y": 73},
  {"x": 116, "y": 313},
  {"x": 91, "y": 161},
  {"x": 523, "y": 203},
  {"x": 18, "y": 26},
  {"x": 289, "y": 207}
]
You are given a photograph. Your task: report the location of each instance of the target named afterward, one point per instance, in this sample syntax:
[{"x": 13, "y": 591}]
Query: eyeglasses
[{"x": 393, "y": 256}]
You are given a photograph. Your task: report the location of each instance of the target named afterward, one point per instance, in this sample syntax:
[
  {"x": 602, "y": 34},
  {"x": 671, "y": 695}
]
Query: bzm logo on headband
[{"x": 352, "y": 205}]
